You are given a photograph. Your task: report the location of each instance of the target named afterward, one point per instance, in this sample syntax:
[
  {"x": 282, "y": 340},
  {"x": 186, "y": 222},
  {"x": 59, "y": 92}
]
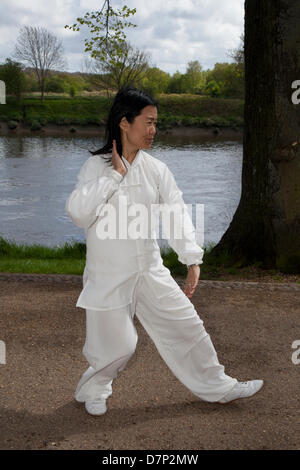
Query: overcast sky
[{"x": 172, "y": 32}]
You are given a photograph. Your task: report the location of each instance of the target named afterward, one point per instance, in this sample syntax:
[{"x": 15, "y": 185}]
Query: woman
[{"x": 124, "y": 274}]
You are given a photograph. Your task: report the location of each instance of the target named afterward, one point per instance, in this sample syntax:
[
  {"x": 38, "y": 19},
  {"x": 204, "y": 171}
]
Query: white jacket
[{"x": 114, "y": 265}]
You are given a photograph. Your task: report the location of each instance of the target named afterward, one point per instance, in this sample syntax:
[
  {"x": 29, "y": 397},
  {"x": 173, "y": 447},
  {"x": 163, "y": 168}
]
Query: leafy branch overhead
[{"x": 101, "y": 25}]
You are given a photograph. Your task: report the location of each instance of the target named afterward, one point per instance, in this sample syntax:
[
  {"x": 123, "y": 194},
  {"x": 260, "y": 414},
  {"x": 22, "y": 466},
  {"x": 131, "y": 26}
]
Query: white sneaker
[
  {"x": 96, "y": 407},
  {"x": 242, "y": 390}
]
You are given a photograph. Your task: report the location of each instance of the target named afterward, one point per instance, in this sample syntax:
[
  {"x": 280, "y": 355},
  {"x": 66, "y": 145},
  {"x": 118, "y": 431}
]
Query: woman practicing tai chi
[{"x": 125, "y": 276}]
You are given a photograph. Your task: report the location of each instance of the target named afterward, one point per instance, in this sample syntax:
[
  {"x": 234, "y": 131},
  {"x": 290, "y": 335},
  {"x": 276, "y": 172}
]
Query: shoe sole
[
  {"x": 240, "y": 398},
  {"x": 95, "y": 414}
]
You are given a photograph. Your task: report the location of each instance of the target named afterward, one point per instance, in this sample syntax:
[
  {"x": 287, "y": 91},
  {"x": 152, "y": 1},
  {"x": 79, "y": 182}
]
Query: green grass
[
  {"x": 187, "y": 110},
  {"x": 66, "y": 259},
  {"x": 70, "y": 259},
  {"x": 42, "y": 266},
  {"x": 22, "y": 258},
  {"x": 200, "y": 106}
]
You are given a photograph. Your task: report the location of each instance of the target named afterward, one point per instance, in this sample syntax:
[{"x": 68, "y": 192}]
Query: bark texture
[{"x": 266, "y": 225}]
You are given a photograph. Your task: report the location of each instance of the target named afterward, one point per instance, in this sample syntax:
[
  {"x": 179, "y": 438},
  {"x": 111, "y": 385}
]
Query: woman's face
[{"x": 140, "y": 133}]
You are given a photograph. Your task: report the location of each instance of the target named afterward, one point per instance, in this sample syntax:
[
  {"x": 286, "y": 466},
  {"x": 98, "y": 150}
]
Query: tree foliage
[
  {"x": 106, "y": 27},
  {"x": 13, "y": 75}
]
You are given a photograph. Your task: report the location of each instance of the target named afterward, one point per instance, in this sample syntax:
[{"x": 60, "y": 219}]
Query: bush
[
  {"x": 55, "y": 84},
  {"x": 35, "y": 126},
  {"x": 213, "y": 89},
  {"x": 12, "y": 124},
  {"x": 43, "y": 121},
  {"x": 72, "y": 91},
  {"x": 289, "y": 264}
]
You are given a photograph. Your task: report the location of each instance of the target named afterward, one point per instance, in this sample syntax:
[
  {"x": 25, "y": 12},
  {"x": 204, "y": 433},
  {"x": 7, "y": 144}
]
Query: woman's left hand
[{"x": 191, "y": 280}]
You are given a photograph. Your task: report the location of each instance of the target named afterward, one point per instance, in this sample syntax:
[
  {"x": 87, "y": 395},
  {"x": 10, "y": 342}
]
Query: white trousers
[{"x": 177, "y": 332}]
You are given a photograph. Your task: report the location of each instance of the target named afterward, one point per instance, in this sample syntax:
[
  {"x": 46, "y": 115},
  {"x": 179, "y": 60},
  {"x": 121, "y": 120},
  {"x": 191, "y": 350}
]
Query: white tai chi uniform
[{"x": 124, "y": 276}]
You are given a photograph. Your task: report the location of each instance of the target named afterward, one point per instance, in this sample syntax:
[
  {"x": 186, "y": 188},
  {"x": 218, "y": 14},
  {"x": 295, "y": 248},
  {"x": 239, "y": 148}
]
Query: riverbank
[
  {"x": 92, "y": 130},
  {"x": 180, "y": 114}
]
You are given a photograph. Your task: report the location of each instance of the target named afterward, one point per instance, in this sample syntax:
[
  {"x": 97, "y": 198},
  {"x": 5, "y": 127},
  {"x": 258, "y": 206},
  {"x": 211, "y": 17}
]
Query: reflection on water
[{"x": 37, "y": 174}]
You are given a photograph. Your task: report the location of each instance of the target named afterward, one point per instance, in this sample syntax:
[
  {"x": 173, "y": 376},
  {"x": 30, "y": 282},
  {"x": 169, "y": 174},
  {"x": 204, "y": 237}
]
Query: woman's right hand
[{"x": 117, "y": 160}]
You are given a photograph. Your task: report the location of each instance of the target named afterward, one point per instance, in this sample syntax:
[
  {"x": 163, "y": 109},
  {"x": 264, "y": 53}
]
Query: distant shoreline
[{"x": 93, "y": 130}]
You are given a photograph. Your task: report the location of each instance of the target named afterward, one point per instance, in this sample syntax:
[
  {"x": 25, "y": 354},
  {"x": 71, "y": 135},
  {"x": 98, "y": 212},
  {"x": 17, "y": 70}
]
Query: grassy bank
[
  {"x": 70, "y": 259},
  {"x": 174, "y": 110}
]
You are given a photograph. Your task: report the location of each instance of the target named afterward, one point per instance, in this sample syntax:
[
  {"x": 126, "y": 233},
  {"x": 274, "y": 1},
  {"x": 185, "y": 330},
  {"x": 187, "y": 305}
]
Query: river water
[{"x": 37, "y": 174}]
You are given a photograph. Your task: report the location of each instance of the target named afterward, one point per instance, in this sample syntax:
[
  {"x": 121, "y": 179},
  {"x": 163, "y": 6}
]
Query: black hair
[{"x": 128, "y": 102}]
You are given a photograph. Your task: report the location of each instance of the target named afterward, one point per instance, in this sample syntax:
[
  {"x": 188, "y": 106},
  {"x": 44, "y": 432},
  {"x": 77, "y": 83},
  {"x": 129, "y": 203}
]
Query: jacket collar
[{"x": 136, "y": 161}]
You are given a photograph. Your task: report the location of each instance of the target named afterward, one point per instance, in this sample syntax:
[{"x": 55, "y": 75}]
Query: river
[{"x": 38, "y": 173}]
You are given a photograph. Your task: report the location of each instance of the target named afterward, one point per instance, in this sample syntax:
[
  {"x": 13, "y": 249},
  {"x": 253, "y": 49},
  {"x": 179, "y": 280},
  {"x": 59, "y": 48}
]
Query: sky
[{"x": 171, "y": 32}]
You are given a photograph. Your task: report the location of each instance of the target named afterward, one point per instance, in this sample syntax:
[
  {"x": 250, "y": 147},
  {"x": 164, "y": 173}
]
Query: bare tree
[
  {"x": 238, "y": 54},
  {"x": 41, "y": 49},
  {"x": 86, "y": 65},
  {"x": 128, "y": 69}
]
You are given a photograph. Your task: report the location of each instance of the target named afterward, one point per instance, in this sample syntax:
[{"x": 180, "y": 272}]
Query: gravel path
[
  {"x": 77, "y": 280},
  {"x": 252, "y": 325}
]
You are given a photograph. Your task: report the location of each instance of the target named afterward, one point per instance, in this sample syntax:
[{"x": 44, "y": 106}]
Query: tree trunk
[
  {"x": 42, "y": 88},
  {"x": 266, "y": 224}
]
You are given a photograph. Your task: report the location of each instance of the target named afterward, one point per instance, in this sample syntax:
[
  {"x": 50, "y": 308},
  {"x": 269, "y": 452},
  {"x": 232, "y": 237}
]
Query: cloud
[{"x": 173, "y": 32}]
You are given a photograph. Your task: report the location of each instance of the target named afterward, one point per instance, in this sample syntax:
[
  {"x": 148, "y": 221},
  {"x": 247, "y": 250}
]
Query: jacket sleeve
[
  {"x": 170, "y": 198},
  {"x": 90, "y": 193}
]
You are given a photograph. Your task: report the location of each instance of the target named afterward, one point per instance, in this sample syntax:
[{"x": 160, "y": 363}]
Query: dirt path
[{"x": 251, "y": 325}]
